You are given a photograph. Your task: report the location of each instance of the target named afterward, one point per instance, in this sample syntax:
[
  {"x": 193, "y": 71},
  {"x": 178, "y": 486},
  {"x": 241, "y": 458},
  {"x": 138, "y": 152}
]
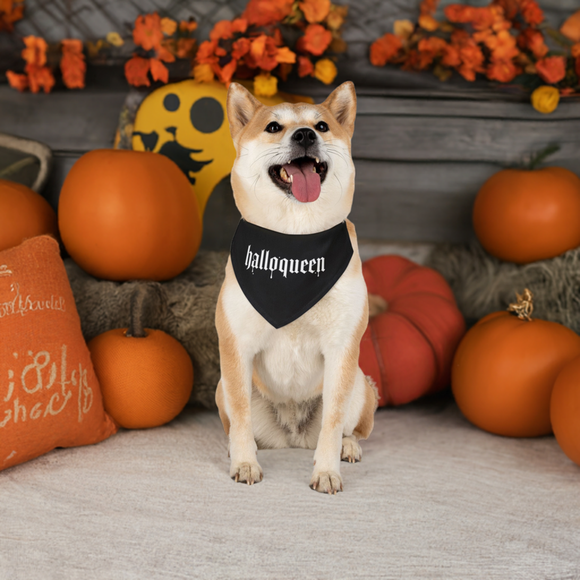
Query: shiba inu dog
[{"x": 289, "y": 352}]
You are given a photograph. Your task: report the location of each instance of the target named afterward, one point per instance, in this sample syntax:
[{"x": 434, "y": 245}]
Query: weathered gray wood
[
  {"x": 457, "y": 139},
  {"x": 65, "y": 120}
]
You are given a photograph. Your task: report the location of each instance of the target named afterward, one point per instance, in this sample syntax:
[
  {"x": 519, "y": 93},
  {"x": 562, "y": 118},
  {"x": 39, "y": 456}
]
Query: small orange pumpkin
[
  {"x": 126, "y": 215},
  {"x": 527, "y": 215},
  {"x": 23, "y": 214},
  {"x": 505, "y": 367},
  {"x": 565, "y": 410},
  {"x": 146, "y": 376}
]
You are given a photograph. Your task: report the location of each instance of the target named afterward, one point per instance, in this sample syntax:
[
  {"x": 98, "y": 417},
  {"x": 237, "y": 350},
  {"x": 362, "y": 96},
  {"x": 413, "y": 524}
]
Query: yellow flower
[
  {"x": 325, "y": 70},
  {"x": 115, "y": 39},
  {"x": 265, "y": 85},
  {"x": 427, "y": 22},
  {"x": 203, "y": 73},
  {"x": 168, "y": 26},
  {"x": 403, "y": 28},
  {"x": 545, "y": 99}
]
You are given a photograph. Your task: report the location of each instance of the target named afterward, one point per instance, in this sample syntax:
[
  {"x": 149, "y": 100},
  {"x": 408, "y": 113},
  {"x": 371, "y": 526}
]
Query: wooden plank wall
[{"x": 422, "y": 148}]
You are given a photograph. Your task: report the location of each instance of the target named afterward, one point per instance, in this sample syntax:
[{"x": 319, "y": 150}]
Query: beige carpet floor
[{"x": 434, "y": 498}]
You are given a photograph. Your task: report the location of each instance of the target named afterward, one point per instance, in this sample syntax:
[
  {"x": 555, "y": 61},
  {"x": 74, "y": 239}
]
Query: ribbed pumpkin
[
  {"x": 522, "y": 216},
  {"x": 408, "y": 348},
  {"x": 565, "y": 410},
  {"x": 23, "y": 214},
  {"x": 505, "y": 368},
  {"x": 126, "y": 215},
  {"x": 146, "y": 376}
]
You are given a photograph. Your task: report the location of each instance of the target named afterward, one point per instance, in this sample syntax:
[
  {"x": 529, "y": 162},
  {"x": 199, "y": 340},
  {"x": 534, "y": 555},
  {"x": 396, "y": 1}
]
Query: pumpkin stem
[
  {"x": 539, "y": 157},
  {"x": 524, "y": 306},
  {"x": 377, "y": 305},
  {"x": 147, "y": 295}
]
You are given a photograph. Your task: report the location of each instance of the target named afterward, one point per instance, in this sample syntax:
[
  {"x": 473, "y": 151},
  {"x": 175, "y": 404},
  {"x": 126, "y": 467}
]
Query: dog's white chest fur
[{"x": 290, "y": 360}]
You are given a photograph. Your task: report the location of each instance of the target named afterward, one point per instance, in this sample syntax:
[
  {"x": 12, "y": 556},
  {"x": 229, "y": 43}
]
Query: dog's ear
[
  {"x": 241, "y": 105},
  {"x": 342, "y": 104}
]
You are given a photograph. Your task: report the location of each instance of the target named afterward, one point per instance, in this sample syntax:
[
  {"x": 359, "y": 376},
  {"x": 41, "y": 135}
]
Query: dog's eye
[
  {"x": 273, "y": 127},
  {"x": 321, "y": 126}
]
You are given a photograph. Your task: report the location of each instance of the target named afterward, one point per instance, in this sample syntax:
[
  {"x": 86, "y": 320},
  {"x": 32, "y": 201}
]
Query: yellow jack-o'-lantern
[{"x": 187, "y": 122}]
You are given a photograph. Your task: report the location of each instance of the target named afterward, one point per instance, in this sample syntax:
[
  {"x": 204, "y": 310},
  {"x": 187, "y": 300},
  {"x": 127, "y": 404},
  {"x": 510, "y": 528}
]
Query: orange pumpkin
[
  {"x": 23, "y": 214},
  {"x": 522, "y": 216},
  {"x": 127, "y": 215},
  {"x": 408, "y": 348},
  {"x": 146, "y": 376},
  {"x": 565, "y": 410},
  {"x": 504, "y": 370}
]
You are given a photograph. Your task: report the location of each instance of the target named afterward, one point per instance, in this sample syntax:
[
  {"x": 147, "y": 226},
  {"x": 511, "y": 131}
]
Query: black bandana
[{"x": 284, "y": 275}]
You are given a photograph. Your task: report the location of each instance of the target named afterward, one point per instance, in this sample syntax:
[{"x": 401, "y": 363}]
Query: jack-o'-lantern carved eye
[
  {"x": 207, "y": 115},
  {"x": 171, "y": 102}
]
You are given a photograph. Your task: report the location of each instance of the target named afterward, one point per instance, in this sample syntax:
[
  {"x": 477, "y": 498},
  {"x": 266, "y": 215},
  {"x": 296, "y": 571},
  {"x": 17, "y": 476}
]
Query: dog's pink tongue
[{"x": 305, "y": 181}]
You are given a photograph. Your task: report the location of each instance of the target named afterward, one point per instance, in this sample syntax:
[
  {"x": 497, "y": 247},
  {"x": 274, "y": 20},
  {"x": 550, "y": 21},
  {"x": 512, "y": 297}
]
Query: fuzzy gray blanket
[
  {"x": 184, "y": 307},
  {"x": 484, "y": 284}
]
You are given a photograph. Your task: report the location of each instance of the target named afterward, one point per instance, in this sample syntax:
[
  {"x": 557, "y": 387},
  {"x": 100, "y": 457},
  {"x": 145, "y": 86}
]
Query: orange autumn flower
[
  {"x": 239, "y": 25},
  {"x": 10, "y": 12},
  {"x": 262, "y": 53},
  {"x": 510, "y": 8},
  {"x": 35, "y": 51},
  {"x": 147, "y": 32},
  {"x": 428, "y": 6},
  {"x": 552, "y": 69},
  {"x": 264, "y": 12},
  {"x": 451, "y": 56},
  {"x": 206, "y": 52},
  {"x": 315, "y": 10},
  {"x": 471, "y": 56},
  {"x": 479, "y": 18},
  {"x": 325, "y": 71},
  {"x": 72, "y": 64},
  {"x": 305, "y": 66},
  {"x": 316, "y": 39},
  {"x": 17, "y": 81},
  {"x": 429, "y": 48},
  {"x": 427, "y": 22},
  {"x": 384, "y": 49},
  {"x": 187, "y": 25},
  {"x": 240, "y": 48},
  {"x": 502, "y": 46},
  {"x": 531, "y": 12},
  {"x": 168, "y": 26},
  {"x": 503, "y": 71},
  {"x": 39, "y": 77},
  {"x": 221, "y": 29},
  {"x": 533, "y": 40},
  {"x": 225, "y": 73},
  {"x": 336, "y": 16},
  {"x": 158, "y": 70},
  {"x": 285, "y": 55},
  {"x": 571, "y": 27},
  {"x": 136, "y": 69}
]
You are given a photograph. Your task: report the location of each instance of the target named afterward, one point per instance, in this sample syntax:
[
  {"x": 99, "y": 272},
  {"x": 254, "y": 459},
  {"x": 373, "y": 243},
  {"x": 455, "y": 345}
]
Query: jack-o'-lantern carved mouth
[{"x": 301, "y": 177}]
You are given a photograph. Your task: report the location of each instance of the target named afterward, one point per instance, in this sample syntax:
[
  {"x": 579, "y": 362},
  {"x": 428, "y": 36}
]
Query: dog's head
[{"x": 293, "y": 170}]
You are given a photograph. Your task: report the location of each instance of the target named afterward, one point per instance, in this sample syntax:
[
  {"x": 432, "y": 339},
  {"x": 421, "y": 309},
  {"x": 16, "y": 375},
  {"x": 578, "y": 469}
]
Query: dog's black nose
[{"x": 304, "y": 137}]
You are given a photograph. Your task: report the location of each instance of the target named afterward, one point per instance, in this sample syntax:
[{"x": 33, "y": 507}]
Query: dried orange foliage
[
  {"x": 252, "y": 46},
  {"x": 158, "y": 41},
  {"x": 36, "y": 75},
  {"x": 72, "y": 64},
  {"x": 501, "y": 41},
  {"x": 10, "y": 12}
]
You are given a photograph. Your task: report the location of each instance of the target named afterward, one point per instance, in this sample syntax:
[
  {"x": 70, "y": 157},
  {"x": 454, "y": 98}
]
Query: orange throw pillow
[{"x": 49, "y": 394}]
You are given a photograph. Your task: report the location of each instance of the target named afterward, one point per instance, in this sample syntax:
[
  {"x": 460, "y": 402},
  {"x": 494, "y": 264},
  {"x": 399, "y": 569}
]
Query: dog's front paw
[
  {"x": 326, "y": 482},
  {"x": 351, "y": 450},
  {"x": 246, "y": 472}
]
